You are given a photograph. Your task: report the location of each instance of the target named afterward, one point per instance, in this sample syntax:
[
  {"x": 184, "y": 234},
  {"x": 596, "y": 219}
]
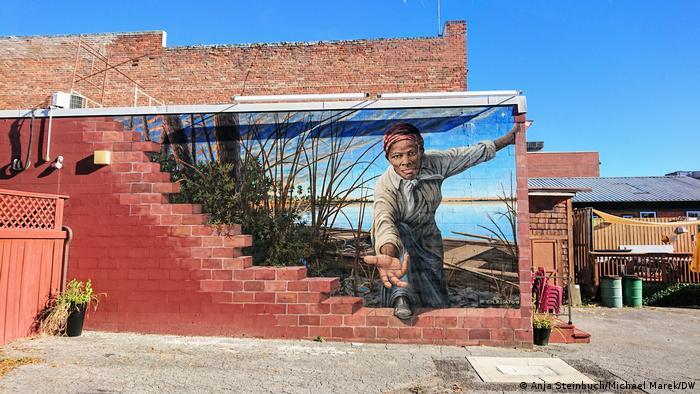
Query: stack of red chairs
[
  {"x": 552, "y": 299},
  {"x": 539, "y": 279},
  {"x": 548, "y": 298}
]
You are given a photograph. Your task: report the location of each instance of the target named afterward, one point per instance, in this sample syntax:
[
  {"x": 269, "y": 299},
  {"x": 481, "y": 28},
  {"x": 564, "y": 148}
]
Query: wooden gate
[
  {"x": 31, "y": 258},
  {"x": 583, "y": 245}
]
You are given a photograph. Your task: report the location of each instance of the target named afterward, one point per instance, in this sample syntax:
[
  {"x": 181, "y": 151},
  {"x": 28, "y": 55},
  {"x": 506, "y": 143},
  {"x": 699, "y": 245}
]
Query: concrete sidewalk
[{"x": 651, "y": 344}]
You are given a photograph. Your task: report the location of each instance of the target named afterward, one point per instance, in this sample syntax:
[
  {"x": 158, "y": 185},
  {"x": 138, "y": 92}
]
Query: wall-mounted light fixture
[
  {"x": 103, "y": 157},
  {"x": 58, "y": 163}
]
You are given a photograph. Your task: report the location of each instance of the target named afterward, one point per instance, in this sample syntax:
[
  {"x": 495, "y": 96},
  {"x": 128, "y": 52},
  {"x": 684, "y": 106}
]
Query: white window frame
[
  {"x": 627, "y": 216},
  {"x": 642, "y": 213},
  {"x": 689, "y": 213}
]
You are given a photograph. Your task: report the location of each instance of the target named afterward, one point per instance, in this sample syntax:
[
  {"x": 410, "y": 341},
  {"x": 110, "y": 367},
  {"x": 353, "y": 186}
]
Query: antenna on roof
[{"x": 439, "y": 25}]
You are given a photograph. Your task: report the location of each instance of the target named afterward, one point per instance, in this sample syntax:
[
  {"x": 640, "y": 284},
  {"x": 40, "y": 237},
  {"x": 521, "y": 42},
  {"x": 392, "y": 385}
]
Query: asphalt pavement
[{"x": 632, "y": 350}]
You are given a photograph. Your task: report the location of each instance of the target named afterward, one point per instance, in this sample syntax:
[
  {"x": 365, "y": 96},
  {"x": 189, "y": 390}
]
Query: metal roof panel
[{"x": 626, "y": 189}]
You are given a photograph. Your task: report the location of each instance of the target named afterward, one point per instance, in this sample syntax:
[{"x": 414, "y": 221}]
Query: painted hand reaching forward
[{"x": 390, "y": 269}]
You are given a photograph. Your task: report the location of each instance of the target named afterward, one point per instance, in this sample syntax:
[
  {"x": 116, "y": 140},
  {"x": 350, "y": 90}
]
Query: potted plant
[
  {"x": 66, "y": 313},
  {"x": 542, "y": 324}
]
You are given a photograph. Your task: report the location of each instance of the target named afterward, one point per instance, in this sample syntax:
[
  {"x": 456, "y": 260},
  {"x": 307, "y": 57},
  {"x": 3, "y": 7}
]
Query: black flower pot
[
  {"x": 74, "y": 326},
  {"x": 540, "y": 336}
]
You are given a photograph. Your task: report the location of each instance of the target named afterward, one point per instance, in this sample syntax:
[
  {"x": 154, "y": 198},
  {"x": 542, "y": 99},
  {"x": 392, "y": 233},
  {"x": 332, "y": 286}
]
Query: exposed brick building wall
[
  {"x": 551, "y": 221},
  {"x": 563, "y": 164},
  {"x": 32, "y": 68},
  {"x": 165, "y": 271}
]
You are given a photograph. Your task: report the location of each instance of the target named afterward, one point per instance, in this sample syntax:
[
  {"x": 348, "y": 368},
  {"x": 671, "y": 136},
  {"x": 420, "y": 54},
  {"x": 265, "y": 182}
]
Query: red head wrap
[{"x": 399, "y": 132}]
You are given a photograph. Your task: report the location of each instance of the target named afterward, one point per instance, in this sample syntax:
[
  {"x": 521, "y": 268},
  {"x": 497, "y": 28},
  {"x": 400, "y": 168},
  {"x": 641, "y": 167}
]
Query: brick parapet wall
[
  {"x": 563, "y": 164},
  {"x": 35, "y": 67},
  {"x": 165, "y": 271}
]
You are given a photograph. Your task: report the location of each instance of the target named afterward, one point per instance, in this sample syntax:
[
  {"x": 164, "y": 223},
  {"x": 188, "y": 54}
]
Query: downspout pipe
[
  {"x": 66, "y": 250},
  {"x": 28, "y": 161},
  {"x": 47, "y": 157}
]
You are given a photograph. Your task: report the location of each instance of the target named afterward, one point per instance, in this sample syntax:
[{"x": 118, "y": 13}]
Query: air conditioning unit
[{"x": 68, "y": 100}]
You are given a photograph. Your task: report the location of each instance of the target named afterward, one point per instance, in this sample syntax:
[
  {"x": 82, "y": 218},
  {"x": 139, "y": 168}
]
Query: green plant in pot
[
  {"x": 542, "y": 324},
  {"x": 65, "y": 314}
]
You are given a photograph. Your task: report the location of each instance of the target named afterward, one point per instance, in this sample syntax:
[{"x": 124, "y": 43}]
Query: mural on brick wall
[{"x": 410, "y": 207}]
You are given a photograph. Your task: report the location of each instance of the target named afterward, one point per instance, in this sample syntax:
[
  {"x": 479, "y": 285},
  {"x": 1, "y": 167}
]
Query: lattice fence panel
[{"x": 27, "y": 212}]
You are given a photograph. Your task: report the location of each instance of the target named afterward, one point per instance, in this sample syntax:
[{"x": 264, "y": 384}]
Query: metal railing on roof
[{"x": 102, "y": 62}]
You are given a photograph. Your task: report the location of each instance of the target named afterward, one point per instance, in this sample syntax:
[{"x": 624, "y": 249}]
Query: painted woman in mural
[{"x": 406, "y": 197}]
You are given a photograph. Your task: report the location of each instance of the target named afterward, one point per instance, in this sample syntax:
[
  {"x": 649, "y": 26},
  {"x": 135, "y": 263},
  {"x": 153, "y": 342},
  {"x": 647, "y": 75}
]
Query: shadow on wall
[
  {"x": 86, "y": 166},
  {"x": 17, "y": 162}
]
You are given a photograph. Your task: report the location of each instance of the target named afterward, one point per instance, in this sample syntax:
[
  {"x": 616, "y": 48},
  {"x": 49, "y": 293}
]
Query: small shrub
[
  {"x": 54, "y": 316},
  {"x": 79, "y": 293},
  {"x": 670, "y": 295},
  {"x": 542, "y": 320},
  {"x": 281, "y": 237}
]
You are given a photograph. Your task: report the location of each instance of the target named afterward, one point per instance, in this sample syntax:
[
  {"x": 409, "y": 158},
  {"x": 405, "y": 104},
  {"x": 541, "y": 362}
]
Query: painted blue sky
[
  {"x": 618, "y": 76},
  {"x": 360, "y": 133}
]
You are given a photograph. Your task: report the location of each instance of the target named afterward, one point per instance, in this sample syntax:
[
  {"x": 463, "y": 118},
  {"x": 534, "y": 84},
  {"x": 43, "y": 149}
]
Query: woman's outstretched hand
[
  {"x": 390, "y": 269},
  {"x": 508, "y": 138}
]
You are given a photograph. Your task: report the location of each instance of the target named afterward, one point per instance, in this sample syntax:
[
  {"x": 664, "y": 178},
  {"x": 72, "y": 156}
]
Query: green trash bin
[
  {"x": 611, "y": 291},
  {"x": 632, "y": 291}
]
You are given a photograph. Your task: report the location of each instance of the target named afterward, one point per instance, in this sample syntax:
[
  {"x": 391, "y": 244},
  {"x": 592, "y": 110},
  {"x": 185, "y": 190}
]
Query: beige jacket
[{"x": 391, "y": 205}]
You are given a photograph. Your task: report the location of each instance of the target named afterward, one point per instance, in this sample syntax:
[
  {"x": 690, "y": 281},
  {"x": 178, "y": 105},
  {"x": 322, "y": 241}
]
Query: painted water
[{"x": 465, "y": 217}]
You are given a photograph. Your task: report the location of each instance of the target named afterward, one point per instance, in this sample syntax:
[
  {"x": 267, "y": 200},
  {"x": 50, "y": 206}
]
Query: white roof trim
[
  {"x": 302, "y": 97},
  {"x": 552, "y": 194},
  {"x": 561, "y": 152},
  {"x": 473, "y": 99}
]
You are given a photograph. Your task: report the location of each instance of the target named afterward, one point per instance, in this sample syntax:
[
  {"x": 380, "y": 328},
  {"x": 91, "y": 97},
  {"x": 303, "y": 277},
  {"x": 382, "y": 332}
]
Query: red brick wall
[
  {"x": 524, "y": 334},
  {"x": 164, "y": 271},
  {"x": 35, "y": 67},
  {"x": 548, "y": 216},
  {"x": 551, "y": 219},
  {"x": 563, "y": 164}
]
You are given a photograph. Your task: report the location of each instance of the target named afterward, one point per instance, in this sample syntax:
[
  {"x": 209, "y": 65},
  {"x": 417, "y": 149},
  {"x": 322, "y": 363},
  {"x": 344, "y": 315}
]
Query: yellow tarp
[
  {"x": 694, "y": 264},
  {"x": 616, "y": 219}
]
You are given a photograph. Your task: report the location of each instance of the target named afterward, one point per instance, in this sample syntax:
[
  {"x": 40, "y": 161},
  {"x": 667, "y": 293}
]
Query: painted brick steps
[
  {"x": 344, "y": 305},
  {"x": 581, "y": 336},
  {"x": 208, "y": 260},
  {"x": 139, "y": 146},
  {"x": 280, "y": 285},
  {"x": 215, "y": 260},
  {"x": 145, "y": 188},
  {"x": 568, "y": 333}
]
